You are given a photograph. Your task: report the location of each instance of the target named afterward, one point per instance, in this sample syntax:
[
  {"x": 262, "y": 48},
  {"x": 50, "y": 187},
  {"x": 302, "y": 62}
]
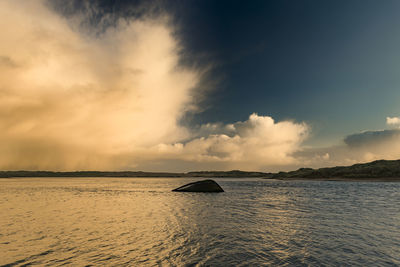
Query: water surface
[{"x": 140, "y": 222}]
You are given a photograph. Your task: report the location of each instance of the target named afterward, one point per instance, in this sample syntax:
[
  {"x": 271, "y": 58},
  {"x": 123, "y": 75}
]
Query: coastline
[
  {"x": 291, "y": 179},
  {"x": 338, "y": 179}
]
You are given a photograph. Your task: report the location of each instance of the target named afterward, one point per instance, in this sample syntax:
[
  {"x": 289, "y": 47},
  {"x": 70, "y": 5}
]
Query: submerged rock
[{"x": 200, "y": 186}]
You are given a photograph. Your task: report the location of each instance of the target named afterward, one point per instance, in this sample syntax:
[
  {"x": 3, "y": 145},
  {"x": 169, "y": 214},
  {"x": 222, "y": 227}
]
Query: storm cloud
[
  {"x": 372, "y": 138},
  {"x": 359, "y": 147},
  {"x": 113, "y": 100}
]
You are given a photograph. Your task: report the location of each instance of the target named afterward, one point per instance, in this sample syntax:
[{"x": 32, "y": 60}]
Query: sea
[{"x": 255, "y": 222}]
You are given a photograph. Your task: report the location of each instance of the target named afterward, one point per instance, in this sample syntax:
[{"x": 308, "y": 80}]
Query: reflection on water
[{"x": 139, "y": 222}]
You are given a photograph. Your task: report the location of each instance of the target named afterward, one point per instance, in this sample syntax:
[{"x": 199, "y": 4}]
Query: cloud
[
  {"x": 71, "y": 100},
  {"x": 110, "y": 96},
  {"x": 392, "y": 120},
  {"x": 373, "y": 145},
  {"x": 257, "y": 143},
  {"x": 360, "y": 147},
  {"x": 372, "y": 138},
  {"x": 113, "y": 100}
]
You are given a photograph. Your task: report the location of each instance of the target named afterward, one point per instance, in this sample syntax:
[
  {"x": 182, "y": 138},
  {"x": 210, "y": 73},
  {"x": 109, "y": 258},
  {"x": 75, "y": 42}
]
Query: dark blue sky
[{"x": 332, "y": 64}]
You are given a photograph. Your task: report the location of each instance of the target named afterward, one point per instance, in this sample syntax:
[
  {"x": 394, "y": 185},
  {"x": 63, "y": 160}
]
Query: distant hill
[
  {"x": 380, "y": 169},
  {"x": 8, "y": 174},
  {"x": 226, "y": 174},
  {"x": 234, "y": 173}
]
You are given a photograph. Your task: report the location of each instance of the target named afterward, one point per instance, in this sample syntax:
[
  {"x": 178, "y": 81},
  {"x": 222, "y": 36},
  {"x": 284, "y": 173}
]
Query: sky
[{"x": 198, "y": 85}]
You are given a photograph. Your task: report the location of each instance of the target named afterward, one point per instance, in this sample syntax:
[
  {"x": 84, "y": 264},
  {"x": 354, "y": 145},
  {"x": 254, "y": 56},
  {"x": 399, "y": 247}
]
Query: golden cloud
[{"x": 71, "y": 100}]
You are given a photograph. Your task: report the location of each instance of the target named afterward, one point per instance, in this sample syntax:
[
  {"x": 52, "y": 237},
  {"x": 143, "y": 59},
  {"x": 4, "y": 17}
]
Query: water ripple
[{"x": 140, "y": 222}]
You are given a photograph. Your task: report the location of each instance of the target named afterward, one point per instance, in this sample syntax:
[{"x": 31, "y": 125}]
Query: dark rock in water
[{"x": 200, "y": 186}]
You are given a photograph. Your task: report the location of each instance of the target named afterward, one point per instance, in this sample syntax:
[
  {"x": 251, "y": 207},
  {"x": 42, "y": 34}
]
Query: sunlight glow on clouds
[
  {"x": 72, "y": 101},
  {"x": 252, "y": 144},
  {"x": 69, "y": 100},
  {"x": 75, "y": 98}
]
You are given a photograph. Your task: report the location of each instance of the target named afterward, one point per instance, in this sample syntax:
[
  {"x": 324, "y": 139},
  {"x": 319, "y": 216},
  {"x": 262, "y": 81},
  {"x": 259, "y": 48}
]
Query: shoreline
[
  {"x": 292, "y": 179},
  {"x": 338, "y": 179}
]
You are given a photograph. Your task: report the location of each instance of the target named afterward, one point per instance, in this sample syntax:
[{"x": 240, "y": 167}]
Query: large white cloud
[
  {"x": 257, "y": 143},
  {"x": 71, "y": 100},
  {"x": 112, "y": 100}
]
